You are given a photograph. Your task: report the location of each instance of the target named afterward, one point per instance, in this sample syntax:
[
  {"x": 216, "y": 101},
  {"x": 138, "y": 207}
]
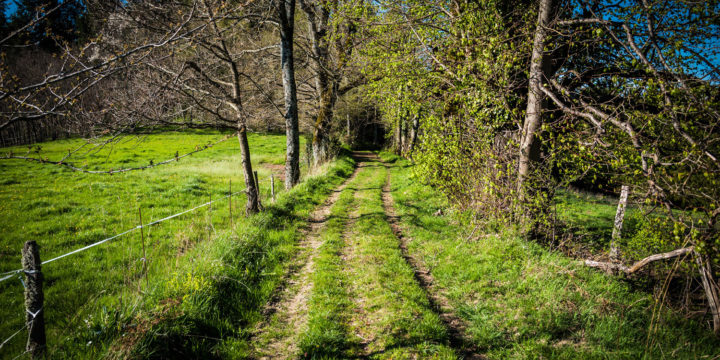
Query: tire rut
[
  {"x": 290, "y": 303},
  {"x": 459, "y": 340}
]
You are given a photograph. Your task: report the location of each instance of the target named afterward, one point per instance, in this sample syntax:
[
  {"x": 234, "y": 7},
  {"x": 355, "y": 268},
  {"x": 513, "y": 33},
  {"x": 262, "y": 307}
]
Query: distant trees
[
  {"x": 59, "y": 22},
  {"x": 29, "y": 54}
]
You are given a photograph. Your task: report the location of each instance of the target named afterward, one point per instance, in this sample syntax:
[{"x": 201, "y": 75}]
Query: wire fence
[{"x": 11, "y": 274}]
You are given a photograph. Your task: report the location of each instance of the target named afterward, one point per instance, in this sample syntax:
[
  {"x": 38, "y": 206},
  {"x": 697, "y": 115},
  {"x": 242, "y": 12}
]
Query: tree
[
  {"x": 212, "y": 71},
  {"x": 39, "y": 89},
  {"x": 623, "y": 93},
  {"x": 162, "y": 64},
  {"x": 529, "y": 146},
  {"x": 638, "y": 91},
  {"x": 331, "y": 34},
  {"x": 286, "y": 12}
]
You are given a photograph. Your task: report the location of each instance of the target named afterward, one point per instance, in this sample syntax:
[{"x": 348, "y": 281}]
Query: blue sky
[{"x": 11, "y": 7}]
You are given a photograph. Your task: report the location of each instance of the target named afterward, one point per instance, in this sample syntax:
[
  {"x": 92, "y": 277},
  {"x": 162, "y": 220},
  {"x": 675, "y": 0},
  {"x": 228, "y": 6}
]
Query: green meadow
[{"x": 63, "y": 210}]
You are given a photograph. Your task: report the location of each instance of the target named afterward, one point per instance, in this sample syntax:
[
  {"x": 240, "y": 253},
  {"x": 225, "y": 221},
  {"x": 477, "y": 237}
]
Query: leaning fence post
[
  {"x": 272, "y": 186},
  {"x": 34, "y": 318}
]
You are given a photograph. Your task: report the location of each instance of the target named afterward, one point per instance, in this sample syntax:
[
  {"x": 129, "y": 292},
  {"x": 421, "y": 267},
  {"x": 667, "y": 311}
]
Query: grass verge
[{"x": 522, "y": 301}]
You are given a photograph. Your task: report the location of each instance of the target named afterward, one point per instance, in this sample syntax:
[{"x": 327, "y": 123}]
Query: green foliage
[{"x": 464, "y": 88}]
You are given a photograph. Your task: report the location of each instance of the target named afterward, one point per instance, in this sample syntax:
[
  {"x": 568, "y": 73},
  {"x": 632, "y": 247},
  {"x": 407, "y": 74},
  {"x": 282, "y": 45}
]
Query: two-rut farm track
[{"x": 286, "y": 314}]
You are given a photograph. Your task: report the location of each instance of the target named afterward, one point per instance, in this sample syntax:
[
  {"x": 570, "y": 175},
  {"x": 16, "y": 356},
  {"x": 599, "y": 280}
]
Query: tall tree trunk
[
  {"x": 252, "y": 206},
  {"x": 398, "y": 136},
  {"x": 292, "y": 132},
  {"x": 529, "y": 144},
  {"x": 318, "y": 16},
  {"x": 413, "y": 135},
  {"x": 405, "y": 135},
  {"x": 348, "y": 129}
]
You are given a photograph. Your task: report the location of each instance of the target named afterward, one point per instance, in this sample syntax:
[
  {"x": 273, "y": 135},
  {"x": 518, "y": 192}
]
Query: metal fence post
[{"x": 272, "y": 186}]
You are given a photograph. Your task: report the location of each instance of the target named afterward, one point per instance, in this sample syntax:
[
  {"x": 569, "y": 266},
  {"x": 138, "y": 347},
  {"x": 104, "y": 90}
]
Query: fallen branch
[{"x": 607, "y": 266}]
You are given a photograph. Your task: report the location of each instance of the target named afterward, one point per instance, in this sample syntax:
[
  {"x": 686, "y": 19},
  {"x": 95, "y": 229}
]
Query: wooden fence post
[
  {"x": 34, "y": 298},
  {"x": 619, "y": 217},
  {"x": 210, "y": 227},
  {"x": 272, "y": 186}
]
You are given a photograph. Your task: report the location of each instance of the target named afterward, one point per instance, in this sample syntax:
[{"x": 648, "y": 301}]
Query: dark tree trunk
[
  {"x": 252, "y": 206},
  {"x": 398, "y": 136},
  {"x": 321, "y": 141},
  {"x": 327, "y": 69},
  {"x": 292, "y": 132}
]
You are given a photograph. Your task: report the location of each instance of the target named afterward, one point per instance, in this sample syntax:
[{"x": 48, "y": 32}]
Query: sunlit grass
[
  {"x": 63, "y": 210},
  {"x": 522, "y": 301}
]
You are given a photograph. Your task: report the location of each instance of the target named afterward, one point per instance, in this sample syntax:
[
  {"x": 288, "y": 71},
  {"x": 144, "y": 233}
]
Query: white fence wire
[{"x": 11, "y": 274}]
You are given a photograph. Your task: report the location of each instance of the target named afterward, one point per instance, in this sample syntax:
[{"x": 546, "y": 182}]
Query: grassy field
[
  {"x": 63, "y": 210},
  {"x": 589, "y": 218},
  {"x": 586, "y": 224}
]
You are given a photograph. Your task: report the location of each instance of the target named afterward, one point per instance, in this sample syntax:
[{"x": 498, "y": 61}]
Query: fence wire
[{"x": 10, "y": 274}]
